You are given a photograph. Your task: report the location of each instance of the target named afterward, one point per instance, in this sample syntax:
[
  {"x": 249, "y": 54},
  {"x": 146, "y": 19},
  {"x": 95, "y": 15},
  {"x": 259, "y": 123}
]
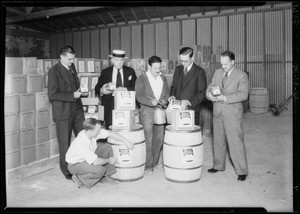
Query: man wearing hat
[{"x": 121, "y": 76}]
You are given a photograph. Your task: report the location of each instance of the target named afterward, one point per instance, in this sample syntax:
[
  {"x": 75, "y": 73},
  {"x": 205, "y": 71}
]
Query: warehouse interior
[{"x": 259, "y": 33}]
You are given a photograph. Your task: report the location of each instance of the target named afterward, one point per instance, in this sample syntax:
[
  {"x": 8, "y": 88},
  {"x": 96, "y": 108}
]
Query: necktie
[
  {"x": 70, "y": 69},
  {"x": 119, "y": 79},
  {"x": 185, "y": 71},
  {"x": 224, "y": 79}
]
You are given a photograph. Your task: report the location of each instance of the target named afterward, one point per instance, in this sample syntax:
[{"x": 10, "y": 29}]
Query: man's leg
[
  {"x": 104, "y": 150},
  {"x": 158, "y": 138},
  {"x": 219, "y": 144}
]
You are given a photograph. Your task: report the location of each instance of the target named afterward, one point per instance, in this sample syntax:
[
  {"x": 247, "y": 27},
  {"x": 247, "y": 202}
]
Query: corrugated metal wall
[{"x": 261, "y": 41}]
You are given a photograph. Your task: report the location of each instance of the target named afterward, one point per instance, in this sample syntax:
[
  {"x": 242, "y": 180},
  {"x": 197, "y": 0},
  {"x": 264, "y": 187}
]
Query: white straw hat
[{"x": 118, "y": 54}]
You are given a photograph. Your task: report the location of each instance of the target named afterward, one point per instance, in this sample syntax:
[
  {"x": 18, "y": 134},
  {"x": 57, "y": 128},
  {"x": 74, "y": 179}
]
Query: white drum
[
  {"x": 131, "y": 163},
  {"x": 183, "y": 155}
]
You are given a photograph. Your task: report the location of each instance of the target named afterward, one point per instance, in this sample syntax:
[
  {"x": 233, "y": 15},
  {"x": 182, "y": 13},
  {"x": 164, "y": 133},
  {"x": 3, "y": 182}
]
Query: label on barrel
[
  {"x": 124, "y": 155},
  {"x": 187, "y": 155}
]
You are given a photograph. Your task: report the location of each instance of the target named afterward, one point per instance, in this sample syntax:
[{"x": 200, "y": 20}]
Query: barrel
[
  {"x": 259, "y": 100},
  {"x": 183, "y": 155},
  {"x": 131, "y": 163}
]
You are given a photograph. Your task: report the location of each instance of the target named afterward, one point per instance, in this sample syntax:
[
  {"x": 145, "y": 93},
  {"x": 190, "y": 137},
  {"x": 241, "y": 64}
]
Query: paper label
[
  {"x": 188, "y": 155},
  {"x": 185, "y": 120},
  {"x": 124, "y": 155}
]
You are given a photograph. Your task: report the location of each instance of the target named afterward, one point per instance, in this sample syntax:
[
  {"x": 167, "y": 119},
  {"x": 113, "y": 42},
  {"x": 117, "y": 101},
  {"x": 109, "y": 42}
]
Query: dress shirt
[
  {"x": 189, "y": 67},
  {"x": 156, "y": 84},
  {"x": 83, "y": 149},
  {"x": 115, "y": 73}
]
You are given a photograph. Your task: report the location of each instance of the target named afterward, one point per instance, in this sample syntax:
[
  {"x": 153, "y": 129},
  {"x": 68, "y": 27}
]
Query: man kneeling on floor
[{"x": 88, "y": 162}]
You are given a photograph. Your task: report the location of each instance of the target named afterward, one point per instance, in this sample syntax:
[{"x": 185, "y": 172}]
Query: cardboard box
[
  {"x": 93, "y": 81},
  {"x": 94, "y": 111},
  {"x": 27, "y": 119},
  {"x": 53, "y": 133},
  {"x": 97, "y": 66},
  {"x": 40, "y": 66},
  {"x": 15, "y": 83},
  {"x": 42, "y": 100},
  {"x": 11, "y": 122},
  {"x": 42, "y": 117},
  {"x": 124, "y": 100},
  {"x": 90, "y": 65},
  {"x": 47, "y": 65},
  {"x": 13, "y": 65},
  {"x": 169, "y": 78},
  {"x": 51, "y": 115},
  {"x": 27, "y": 101},
  {"x": 12, "y": 141},
  {"x": 123, "y": 119},
  {"x": 43, "y": 150},
  {"x": 28, "y": 154},
  {"x": 12, "y": 159},
  {"x": 27, "y": 137},
  {"x": 172, "y": 107},
  {"x": 35, "y": 82},
  {"x": 46, "y": 77},
  {"x": 85, "y": 81},
  {"x": 165, "y": 65},
  {"x": 54, "y": 150},
  {"x": 80, "y": 65},
  {"x": 105, "y": 63},
  {"x": 11, "y": 103},
  {"x": 42, "y": 134},
  {"x": 29, "y": 65},
  {"x": 183, "y": 120}
]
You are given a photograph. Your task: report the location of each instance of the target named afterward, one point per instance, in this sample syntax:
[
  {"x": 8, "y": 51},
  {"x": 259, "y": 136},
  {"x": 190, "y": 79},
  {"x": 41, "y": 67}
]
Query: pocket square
[{"x": 130, "y": 77}]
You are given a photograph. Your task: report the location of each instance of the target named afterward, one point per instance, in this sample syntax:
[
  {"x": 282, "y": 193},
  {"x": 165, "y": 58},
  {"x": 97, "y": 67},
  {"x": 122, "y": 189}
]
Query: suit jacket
[
  {"x": 193, "y": 88},
  {"x": 107, "y": 100},
  {"x": 144, "y": 89},
  {"x": 60, "y": 92},
  {"x": 236, "y": 90}
]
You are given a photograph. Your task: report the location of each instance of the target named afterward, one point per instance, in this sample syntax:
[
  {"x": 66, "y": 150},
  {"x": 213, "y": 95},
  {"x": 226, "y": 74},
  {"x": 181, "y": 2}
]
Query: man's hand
[
  {"x": 221, "y": 98},
  {"x": 186, "y": 103},
  {"x": 105, "y": 90},
  {"x": 171, "y": 98},
  {"x": 77, "y": 93}
]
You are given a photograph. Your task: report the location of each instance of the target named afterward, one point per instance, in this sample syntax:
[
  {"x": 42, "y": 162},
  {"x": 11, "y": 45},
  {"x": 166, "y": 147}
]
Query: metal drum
[
  {"x": 183, "y": 155},
  {"x": 131, "y": 163}
]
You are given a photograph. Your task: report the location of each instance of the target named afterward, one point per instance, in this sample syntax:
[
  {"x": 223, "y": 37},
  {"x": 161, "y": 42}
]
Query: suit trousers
[
  {"x": 91, "y": 174},
  {"x": 154, "y": 136},
  {"x": 229, "y": 132},
  {"x": 64, "y": 131}
]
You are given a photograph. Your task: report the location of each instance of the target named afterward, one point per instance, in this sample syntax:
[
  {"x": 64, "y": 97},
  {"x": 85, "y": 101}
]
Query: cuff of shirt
[{"x": 92, "y": 159}]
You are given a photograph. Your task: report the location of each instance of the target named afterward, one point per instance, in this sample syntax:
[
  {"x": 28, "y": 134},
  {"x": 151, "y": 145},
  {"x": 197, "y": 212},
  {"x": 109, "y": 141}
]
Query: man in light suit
[
  {"x": 228, "y": 115},
  {"x": 121, "y": 76},
  {"x": 64, "y": 94},
  {"x": 189, "y": 82}
]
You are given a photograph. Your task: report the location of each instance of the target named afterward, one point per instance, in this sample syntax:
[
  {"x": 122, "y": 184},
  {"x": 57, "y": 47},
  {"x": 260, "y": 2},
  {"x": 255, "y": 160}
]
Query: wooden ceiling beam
[
  {"x": 187, "y": 12},
  {"x": 123, "y": 17},
  {"x": 136, "y": 19},
  {"x": 158, "y": 13},
  {"x": 52, "y": 12},
  {"x": 65, "y": 26},
  {"x": 112, "y": 18},
  {"x": 92, "y": 20},
  {"x": 202, "y": 11},
  {"x": 70, "y": 20},
  {"x": 12, "y": 10},
  {"x": 82, "y": 22},
  {"x": 102, "y": 20},
  {"x": 28, "y": 10},
  {"x": 147, "y": 14}
]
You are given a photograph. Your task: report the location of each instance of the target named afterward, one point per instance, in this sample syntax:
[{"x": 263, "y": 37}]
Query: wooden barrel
[
  {"x": 259, "y": 100},
  {"x": 131, "y": 163},
  {"x": 183, "y": 155}
]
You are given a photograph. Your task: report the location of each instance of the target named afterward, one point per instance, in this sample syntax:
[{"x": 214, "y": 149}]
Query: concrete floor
[{"x": 269, "y": 147}]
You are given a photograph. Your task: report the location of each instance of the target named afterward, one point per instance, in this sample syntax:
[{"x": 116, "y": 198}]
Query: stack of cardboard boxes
[{"x": 27, "y": 113}]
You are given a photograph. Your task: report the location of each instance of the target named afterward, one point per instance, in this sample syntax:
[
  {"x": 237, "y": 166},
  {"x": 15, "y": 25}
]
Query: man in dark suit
[
  {"x": 121, "y": 76},
  {"x": 64, "y": 94},
  {"x": 189, "y": 82},
  {"x": 233, "y": 85}
]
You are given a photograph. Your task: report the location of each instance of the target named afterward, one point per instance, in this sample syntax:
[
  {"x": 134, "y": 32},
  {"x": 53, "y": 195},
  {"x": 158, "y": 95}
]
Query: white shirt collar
[{"x": 229, "y": 72}]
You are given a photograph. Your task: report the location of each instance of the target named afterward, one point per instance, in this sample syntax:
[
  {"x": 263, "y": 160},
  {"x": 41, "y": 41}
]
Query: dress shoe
[
  {"x": 212, "y": 170},
  {"x": 149, "y": 171},
  {"x": 77, "y": 181},
  {"x": 242, "y": 177},
  {"x": 68, "y": 177}
]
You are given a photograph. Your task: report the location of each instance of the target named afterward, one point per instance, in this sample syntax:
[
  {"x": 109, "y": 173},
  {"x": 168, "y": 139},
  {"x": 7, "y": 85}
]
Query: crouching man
[{"x": 88, "y": 162}]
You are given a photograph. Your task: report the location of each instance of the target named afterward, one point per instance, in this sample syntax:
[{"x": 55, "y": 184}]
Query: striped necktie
[
  {"x": 119, "y": 79},
  {"x": 224, "y": 79}
]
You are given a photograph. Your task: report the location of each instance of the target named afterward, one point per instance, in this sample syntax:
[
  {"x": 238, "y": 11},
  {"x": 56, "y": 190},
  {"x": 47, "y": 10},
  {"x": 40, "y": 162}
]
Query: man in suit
[
  {"x": 233, "y": 86},
  {"x": 189, "y": 82},
  {"x": 64, "y": 94},
  {"x": 121, "y": 76}
]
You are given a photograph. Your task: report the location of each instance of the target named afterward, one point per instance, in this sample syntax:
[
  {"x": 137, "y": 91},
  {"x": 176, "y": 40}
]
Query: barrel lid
[
  {"x": 135, "y": 127},
  {"x": 196, "y": 129}
]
